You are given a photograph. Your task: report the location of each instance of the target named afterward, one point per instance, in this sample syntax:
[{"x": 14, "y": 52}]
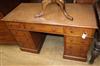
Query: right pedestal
[{"x": 76, "y": 47}]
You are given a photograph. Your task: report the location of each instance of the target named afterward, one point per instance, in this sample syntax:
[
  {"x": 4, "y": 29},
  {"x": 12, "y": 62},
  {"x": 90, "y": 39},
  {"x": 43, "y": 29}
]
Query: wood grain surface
[{"x": 83, "y": 15}]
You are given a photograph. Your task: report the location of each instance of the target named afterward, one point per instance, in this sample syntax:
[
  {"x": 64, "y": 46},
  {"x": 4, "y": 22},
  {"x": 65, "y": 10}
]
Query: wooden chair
[{"x": 96, "y": 48}]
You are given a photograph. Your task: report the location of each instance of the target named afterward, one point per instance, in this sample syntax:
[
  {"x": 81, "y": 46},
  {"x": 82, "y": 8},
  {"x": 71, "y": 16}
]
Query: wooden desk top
[{"x": 83, "y": 15}]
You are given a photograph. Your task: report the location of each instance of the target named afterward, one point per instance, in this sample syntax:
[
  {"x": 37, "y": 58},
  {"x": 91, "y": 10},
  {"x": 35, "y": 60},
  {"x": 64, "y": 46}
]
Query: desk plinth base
[
  {"x": 30, "y": 50},
  {"x": 74, "y": 58}
]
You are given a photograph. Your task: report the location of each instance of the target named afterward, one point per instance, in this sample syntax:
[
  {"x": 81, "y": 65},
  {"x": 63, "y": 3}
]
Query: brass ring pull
[{"x": 84, "y": 35}]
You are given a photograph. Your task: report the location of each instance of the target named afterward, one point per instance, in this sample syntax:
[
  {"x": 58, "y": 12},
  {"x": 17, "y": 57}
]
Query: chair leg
[
  {"x": 91, "y": 61},
  {"x": 93, "y": 56}
]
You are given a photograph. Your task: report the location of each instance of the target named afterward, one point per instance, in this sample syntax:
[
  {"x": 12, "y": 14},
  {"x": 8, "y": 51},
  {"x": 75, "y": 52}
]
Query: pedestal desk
[{"x": 29, "y": 31}]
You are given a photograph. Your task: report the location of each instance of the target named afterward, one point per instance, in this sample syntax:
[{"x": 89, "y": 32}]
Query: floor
[{"x": 51, "y": 55}]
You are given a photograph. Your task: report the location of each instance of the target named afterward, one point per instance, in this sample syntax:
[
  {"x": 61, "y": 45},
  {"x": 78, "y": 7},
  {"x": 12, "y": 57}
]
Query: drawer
[
  {"x": 17, "y": 33},
  {"x": 78, "y": 40},
  {"x": 75, "y": 31},
  {"x": 2, "y": 24},
  {"x": 24, "y": 39},
  {"x": 20, "y": 35},
  {"x": 4, "y": 30},
  {"x": 6, "y": 36},
  {"x": 3, "y": 27},
  {"x": 17, "y": 26},
  {"x": 4, "y": 33},
  {"x": 44, "y": 28},
  {"x": 76, "y": 50}
]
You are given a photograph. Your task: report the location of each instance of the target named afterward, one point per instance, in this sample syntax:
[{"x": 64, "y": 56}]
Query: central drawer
[{"x": 44, "y": 28}]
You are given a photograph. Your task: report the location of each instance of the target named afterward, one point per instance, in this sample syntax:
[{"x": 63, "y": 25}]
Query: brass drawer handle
[{"x": 84, "y": 35}]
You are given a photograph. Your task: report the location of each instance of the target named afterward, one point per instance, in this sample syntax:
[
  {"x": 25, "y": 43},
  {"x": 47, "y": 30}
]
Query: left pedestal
[
  {"x": 29, "y": 41},
  {"x": 5, "y": 35}
]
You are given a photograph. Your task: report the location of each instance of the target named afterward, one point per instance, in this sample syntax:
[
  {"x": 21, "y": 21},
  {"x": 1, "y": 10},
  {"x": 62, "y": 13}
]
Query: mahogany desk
[{"x": 29, "y": 32}]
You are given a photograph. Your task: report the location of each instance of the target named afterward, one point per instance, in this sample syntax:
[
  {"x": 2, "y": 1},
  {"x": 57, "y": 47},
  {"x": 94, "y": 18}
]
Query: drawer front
[
  {"x": 76, "y": 50},
  {"x": 3, "y": 27},
  {"x": 78, "y": 40},
  {"x": 44, "y": 28},
  {"x": 4, "y": 30},
  {"x": 75, "y": 31},
  {"x": 6, "y": 36},
  {"x": 17, "y": 33},
  {"x": 20, "y": 36},
  {"x": 18, "y": 26},
  {"x": 24, "y": 39}
]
